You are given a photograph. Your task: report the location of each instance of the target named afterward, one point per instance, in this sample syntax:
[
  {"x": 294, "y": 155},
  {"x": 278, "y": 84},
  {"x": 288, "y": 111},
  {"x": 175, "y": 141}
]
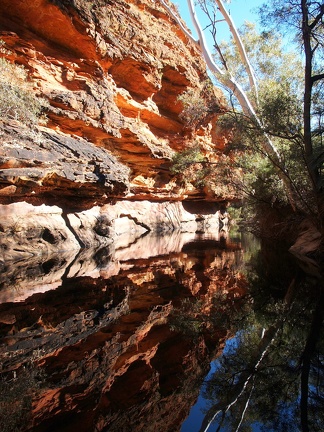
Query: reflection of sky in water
[
  {"x": 196, "y": 415},
  {"x": 195, "y": 418},
  {"x": 193, "y": 422}
]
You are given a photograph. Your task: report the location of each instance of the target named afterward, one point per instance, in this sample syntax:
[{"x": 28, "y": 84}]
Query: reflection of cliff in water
[
  {"x": 20, "y": 279},
  {"x": 98, "y": 324}
]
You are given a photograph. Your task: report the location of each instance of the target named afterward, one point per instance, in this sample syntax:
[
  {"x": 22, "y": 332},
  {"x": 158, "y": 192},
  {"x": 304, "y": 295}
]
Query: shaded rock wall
[
  {"x": 28, "y": 230},
  {"x": 98, "y": 174}
]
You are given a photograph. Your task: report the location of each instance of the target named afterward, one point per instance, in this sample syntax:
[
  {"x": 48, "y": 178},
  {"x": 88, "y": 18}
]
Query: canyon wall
[
  {"x": 88, "y": 300},
  {"x": 111, "y": 74}
]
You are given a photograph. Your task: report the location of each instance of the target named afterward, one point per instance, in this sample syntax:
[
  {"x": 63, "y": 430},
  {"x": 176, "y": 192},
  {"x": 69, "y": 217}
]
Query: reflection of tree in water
[{"x": 272, "y": 372}]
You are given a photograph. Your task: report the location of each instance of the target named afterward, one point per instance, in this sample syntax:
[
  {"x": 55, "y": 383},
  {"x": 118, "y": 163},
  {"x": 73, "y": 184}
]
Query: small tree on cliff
[{"x": 310, "y": 14}]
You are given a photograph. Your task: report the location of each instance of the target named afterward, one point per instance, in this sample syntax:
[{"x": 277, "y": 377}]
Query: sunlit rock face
[
  {"x": 105, "y": 327},
  {"x": 112, "y": 74}
]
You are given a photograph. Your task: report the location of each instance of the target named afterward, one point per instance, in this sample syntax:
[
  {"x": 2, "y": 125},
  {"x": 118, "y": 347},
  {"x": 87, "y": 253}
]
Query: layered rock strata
[
  {"x": 112, "y": 73},
  {"x": 86, "y": 296},
  {"x": 28, "y": 230}
]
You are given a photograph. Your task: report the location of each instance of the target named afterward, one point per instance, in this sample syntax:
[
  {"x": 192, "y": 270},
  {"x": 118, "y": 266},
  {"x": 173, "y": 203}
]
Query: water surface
[{"x": 182, "y": 332}]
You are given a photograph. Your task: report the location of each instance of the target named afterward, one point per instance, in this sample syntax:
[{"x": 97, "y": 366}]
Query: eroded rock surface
[
  {"x": 29, "y": 231},
  {"x": 112, "y": 74},
  {"x": 85, "y": 296}
]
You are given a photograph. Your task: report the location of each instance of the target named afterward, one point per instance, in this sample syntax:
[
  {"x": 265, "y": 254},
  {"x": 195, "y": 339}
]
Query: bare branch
[
  {"x": 318, "y": 18},
  {"x": 317, "y": 77}
]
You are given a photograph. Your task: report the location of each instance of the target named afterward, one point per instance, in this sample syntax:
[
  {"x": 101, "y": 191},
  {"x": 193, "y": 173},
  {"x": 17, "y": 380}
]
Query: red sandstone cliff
[
  {"x": 111, "y": 73},
  {"x": 98, "y": 170}
]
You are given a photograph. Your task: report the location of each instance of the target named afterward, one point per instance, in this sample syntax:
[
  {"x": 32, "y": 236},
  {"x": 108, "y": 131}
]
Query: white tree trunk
[
  {"x": 240, "y": 47},
  {"x": 230, "y": 83}
]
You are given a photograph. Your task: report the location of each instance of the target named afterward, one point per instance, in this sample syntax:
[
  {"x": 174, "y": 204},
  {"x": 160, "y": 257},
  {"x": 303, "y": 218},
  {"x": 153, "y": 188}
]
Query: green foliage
[
  {"x": 198, "y": 103},
  {"x": 190, "y": 166},
  {"x": 271, "y": 62},
  {"x": 258, "y": 180},
  {"x": 220, "y": 178},
  {"x": 184, "y": 159},
  {"x": 194, "y": 107},
  {"x": 16, "y": 399},
  {"x": 304, "y": 21},
  {"x": 280, "y": 109},
  {"x": 18, "y": 100},
  {"x": 317, "y": 159},
  {"x": 280, "y": 77},
  {"x": 262, "y": 184},
  {"x": 187, "y": 319}
]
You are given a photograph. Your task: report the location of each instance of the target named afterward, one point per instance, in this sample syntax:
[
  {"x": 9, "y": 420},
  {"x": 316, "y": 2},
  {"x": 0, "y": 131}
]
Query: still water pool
[{"x": 183, "y": 332}]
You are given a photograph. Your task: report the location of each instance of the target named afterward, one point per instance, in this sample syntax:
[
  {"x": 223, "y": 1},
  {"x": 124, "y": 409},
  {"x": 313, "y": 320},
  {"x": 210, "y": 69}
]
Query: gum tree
[
  {"x": 307, "y": 21},
  {"x": 248, "y": 100},
  {"x": 304, "y": 19}
]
